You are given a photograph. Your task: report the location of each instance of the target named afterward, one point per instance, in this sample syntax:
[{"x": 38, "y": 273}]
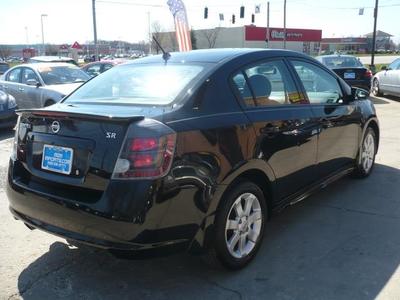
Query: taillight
[
  {"x": 147, "y": 152},
  {"x": 368, "y": 74}
]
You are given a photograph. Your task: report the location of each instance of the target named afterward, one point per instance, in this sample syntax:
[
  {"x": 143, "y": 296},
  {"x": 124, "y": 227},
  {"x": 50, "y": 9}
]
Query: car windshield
[
  {"x": 341, "y": 62},
  {"x": 155, "y": 84},
  {"x": 62, "y": 74}
]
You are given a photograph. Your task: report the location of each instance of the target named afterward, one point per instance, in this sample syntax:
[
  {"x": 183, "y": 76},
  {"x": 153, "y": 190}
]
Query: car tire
[
  {"x": 366, "y": 157},
  {"x": 239, "y": 227},
  {"x": 375, "y": 88}
]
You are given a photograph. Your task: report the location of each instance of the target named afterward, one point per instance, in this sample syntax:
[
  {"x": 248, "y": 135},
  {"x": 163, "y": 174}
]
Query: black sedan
[
  {"x": 191, "y": 151},
  {"x": 8, "y": 117},
  {"x": 349, "y": 68}
]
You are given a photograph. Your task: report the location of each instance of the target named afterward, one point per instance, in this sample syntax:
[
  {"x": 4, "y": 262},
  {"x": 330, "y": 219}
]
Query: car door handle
[
  {"x": 21, "y": 89},
  {"x": 292, "y": 132},
  {"x": 269, "y": 128},
  {"x": 326, "y": 123}
]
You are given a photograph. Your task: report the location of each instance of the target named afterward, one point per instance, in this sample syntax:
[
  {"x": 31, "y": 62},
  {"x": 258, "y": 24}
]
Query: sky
[{"x": 68, "y": 21}]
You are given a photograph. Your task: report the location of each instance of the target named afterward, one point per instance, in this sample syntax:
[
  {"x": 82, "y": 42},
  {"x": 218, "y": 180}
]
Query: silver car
[
  {"x": 41, "y": 84},
  {"x": 387, "y": 81}
]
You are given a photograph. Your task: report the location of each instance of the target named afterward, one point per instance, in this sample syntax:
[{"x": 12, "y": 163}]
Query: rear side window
[
  {"x": 14, "y": 75},
  {"x": 320, "y": 86},
  {"x": 266, "y": 84}
]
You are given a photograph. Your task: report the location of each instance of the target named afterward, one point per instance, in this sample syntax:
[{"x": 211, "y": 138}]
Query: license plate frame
[
  {"x": 349, "y": 75},
  {"x": 57, "y": 159}
]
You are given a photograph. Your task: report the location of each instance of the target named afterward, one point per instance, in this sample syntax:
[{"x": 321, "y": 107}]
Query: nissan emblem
[{"x": 55, "y": 127}]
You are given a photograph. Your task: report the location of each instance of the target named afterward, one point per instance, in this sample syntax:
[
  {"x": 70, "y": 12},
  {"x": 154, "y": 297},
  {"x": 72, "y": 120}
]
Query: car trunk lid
[{"x": 75, "y": 147}]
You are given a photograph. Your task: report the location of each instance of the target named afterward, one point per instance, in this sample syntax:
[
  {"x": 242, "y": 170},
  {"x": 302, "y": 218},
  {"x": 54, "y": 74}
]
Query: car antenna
[{"x": 165, "y": 55}]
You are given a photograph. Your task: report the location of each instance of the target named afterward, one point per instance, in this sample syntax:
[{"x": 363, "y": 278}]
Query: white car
[
  {"x": 41, "y": 84},
  {"x": 387, "y": 81}
]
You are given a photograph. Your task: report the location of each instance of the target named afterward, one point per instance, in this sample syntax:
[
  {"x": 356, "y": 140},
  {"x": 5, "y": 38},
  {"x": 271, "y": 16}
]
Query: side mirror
[
  {"x": 383, "y": 68},
  {"x": 359, "y": 94},
  {"x": 33, "y": 82}
]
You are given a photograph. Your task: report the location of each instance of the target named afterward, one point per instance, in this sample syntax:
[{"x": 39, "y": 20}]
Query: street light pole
[
  {"x": 96, "y": 49},
  {"x": 374, "y": 37},
  {"x": 284, "y": 24},
  {"x": 41, "y": 21}
]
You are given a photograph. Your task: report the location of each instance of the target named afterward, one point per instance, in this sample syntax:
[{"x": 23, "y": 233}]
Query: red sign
[
  {"x": 76, "y": 46},
  {"x": 253, "y": 33}
]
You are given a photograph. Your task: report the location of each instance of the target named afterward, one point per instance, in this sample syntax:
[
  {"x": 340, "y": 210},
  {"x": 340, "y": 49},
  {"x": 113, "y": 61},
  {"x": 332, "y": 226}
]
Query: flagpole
[{"x": 267, "y": 39}]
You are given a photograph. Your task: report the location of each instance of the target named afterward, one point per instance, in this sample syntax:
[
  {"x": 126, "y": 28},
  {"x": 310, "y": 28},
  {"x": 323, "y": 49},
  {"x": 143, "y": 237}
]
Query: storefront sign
[{"x": 253, "y": 33}]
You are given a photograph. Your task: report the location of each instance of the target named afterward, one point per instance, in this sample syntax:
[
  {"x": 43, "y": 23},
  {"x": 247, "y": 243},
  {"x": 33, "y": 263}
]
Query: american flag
[{"x": 178, "y": 10}]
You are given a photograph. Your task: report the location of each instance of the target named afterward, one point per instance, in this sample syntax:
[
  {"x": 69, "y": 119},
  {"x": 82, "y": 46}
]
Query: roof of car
[
  {"x": 51, "y": 58},
  {"x": 210, "y": 55},
  {"x": 37, "y": 66}
]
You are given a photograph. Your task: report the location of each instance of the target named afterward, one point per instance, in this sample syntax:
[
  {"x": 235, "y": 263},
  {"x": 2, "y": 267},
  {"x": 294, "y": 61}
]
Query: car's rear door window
[
  {"x": 320, "y": 86},
  {"x": 266, "y": 84},
  {"x": 14, "y": 75}
]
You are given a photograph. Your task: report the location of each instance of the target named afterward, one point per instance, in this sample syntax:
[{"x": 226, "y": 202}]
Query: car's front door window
[
  {"x": 320, "y": 86},
  {"x": 27, "y": 75}
]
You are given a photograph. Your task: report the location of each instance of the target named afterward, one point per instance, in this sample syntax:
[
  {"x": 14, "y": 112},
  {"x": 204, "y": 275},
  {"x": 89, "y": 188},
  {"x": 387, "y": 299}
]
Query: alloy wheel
[
  {"x": 243, "y": 225},
  {"x": 368, "y": 152}
]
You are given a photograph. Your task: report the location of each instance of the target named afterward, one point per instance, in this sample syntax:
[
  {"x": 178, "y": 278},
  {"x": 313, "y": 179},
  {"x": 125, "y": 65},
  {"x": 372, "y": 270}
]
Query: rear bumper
[
  {"x": 364, "y": 84},
  {"x": 80, "y": 223}
]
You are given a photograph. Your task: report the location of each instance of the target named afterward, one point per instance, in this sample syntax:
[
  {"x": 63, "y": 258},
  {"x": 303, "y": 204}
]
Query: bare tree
[
  {"x": 211, "y": 36},
  {"x": 5, "y": 51},
  {"x": 157, "y": 30}
]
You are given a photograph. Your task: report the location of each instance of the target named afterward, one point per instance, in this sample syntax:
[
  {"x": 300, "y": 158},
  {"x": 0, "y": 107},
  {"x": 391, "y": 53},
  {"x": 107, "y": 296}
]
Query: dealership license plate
[
  {"x": 351, "y": 75},
  {"x": 57, "y": 159}
]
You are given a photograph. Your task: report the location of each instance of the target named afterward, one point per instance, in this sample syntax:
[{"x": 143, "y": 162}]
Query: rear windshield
[
  {"x": 154, "y": 84},
  {"x": 62, "y": 74},
  {"x": 341, "y": 62}
]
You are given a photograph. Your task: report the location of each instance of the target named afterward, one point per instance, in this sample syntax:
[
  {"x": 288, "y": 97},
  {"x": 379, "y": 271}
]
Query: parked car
[
  {"x": 8, "y": 117},
  {"x": 4, "y": 67},
  {"x": 387, "y": 81},
  {"x": 95, "y": 68},
  {"x": 41, "y": 84},
  {"x": 192, "y": 152},
  {"x": 52, "y": 59},
  {"x": 349, "y": 68}
]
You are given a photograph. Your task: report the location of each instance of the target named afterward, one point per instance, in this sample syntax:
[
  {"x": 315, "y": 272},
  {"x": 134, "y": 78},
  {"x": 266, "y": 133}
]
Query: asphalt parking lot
[{"x": 342, "y": 243}]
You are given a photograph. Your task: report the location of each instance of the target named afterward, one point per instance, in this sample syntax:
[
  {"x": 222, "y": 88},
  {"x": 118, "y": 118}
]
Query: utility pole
[
  {"x": 284, "y": 24},
  {"x": 27, "y": 38},
  {"x": 267, "y": 38},
  {"x": 374, "y": 37},
  {"x": 96, "y": 49},
  {"x": 41, "y": 22}
]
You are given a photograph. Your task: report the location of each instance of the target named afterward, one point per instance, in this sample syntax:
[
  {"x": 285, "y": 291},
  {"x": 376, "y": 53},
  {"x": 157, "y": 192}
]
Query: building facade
[{"x": 302, "y": 40}]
